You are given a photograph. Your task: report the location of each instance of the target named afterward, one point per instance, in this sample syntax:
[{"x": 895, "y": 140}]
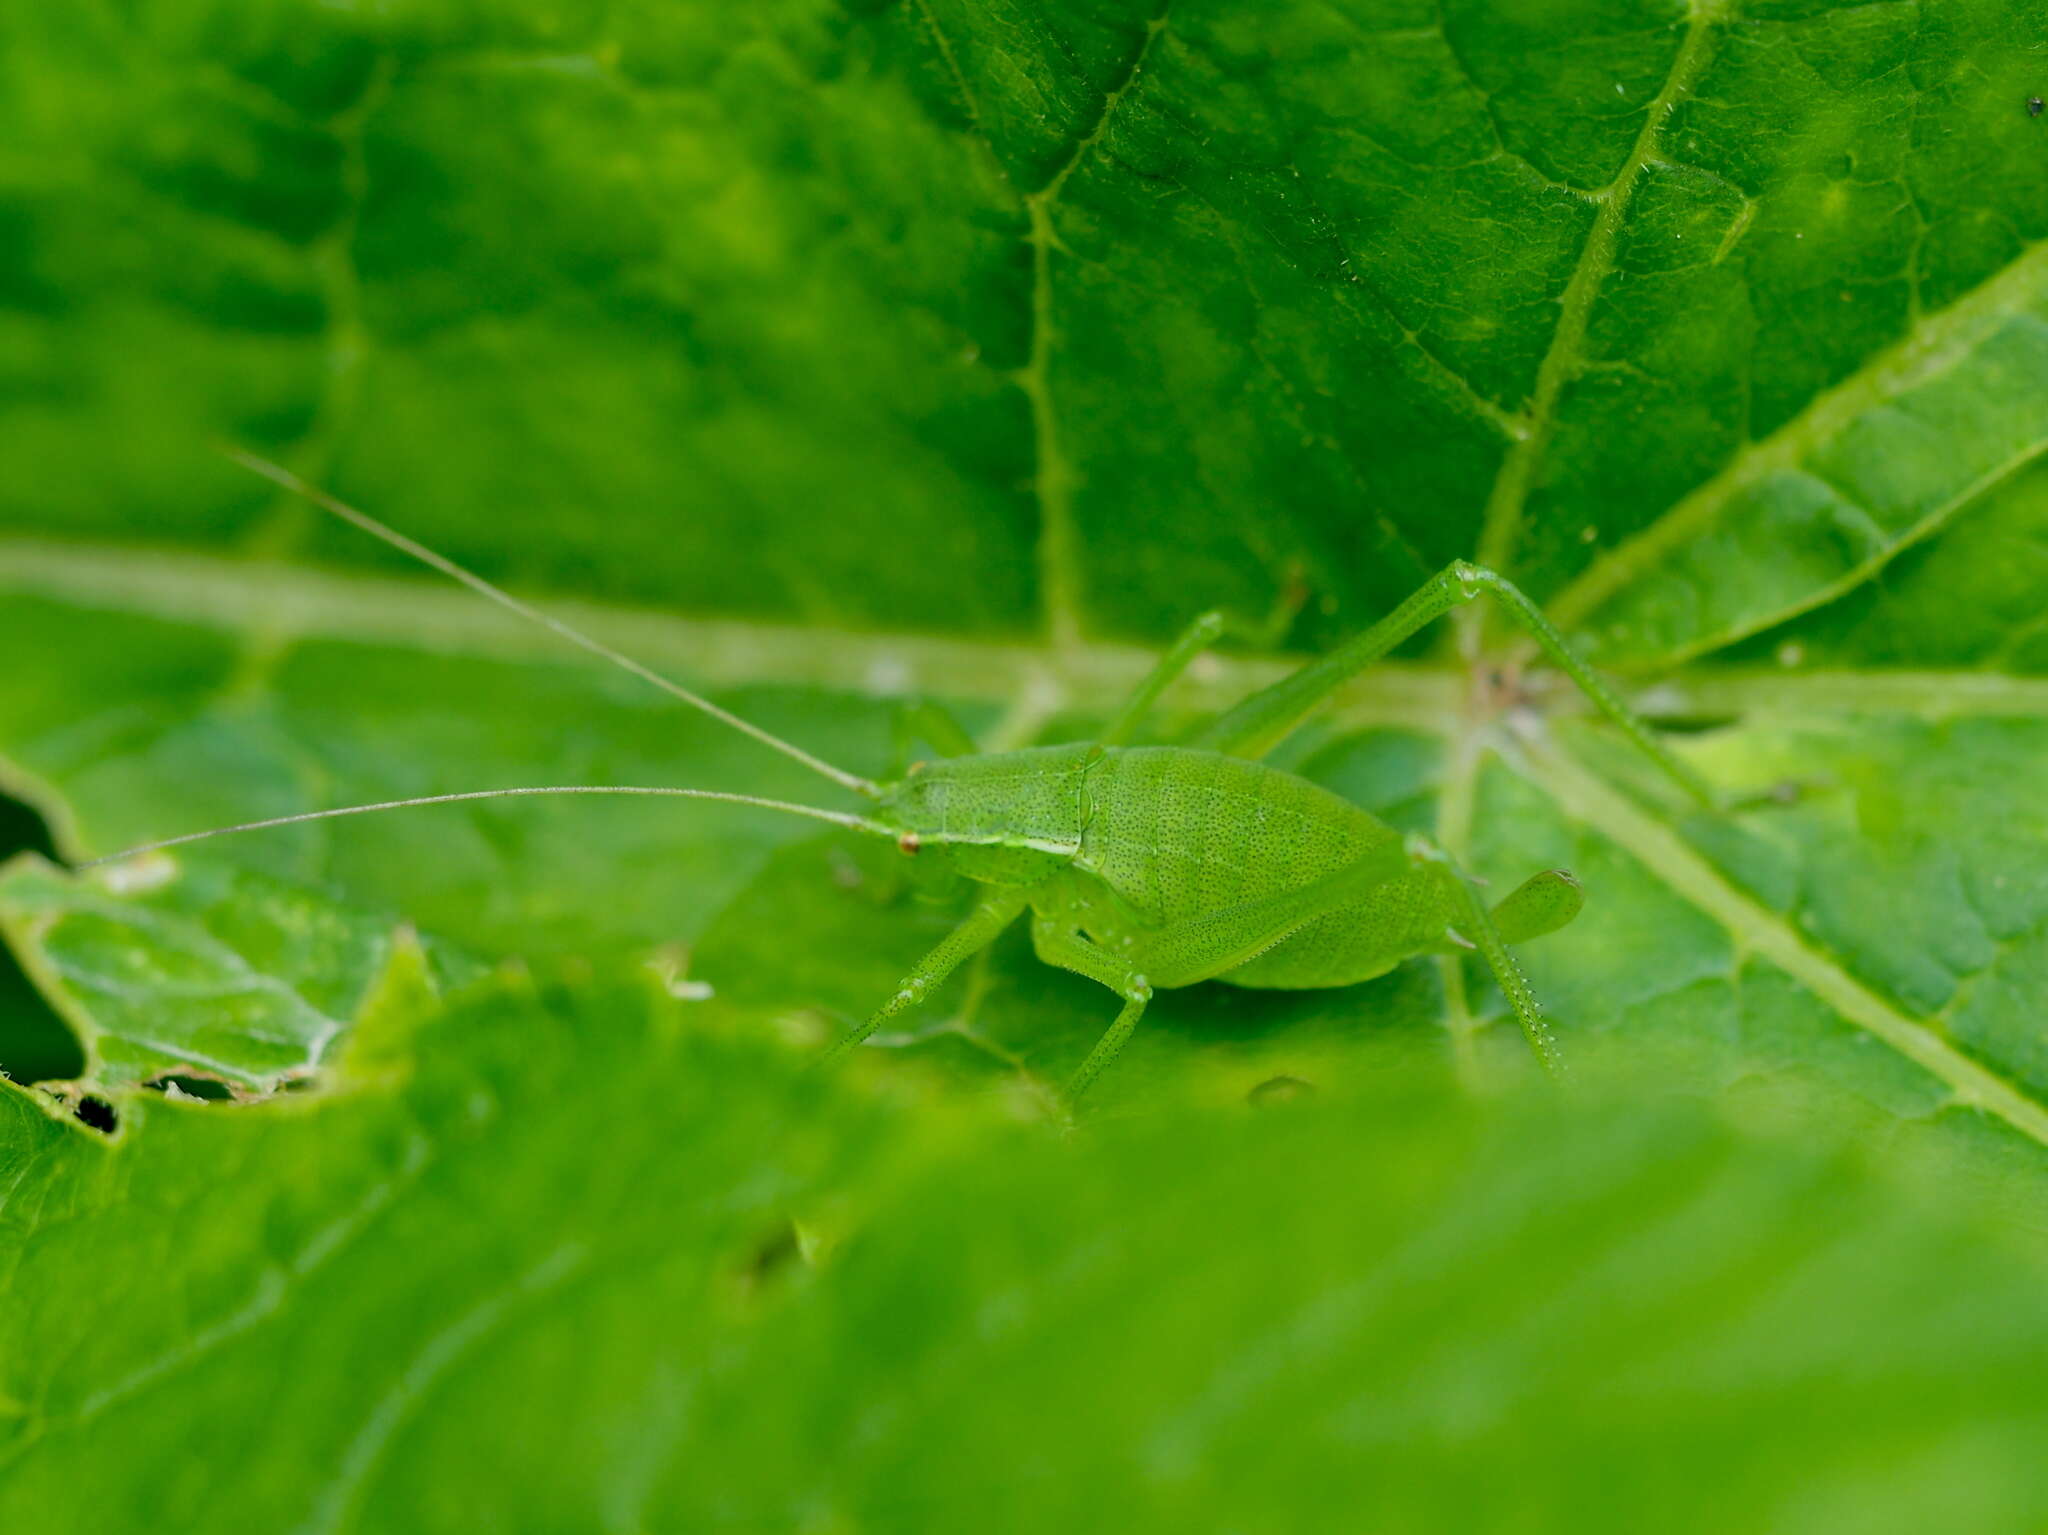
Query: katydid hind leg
[
  {"x": 1259, "y": 723},
  {"x": 1539, "y": 906},
  {"x": 996, "y": 910},
  {"x": 1214, "y": 943},
  {"x": 1476, "y": 923}
]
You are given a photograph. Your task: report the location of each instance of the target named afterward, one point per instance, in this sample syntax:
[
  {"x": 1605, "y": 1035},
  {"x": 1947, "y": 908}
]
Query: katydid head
[{"x": 1009, "y": 818}]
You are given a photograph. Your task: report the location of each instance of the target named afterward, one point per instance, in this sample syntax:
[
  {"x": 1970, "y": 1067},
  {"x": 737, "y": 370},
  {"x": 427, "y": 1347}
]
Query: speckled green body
[{"x": 1129, "y": 842}]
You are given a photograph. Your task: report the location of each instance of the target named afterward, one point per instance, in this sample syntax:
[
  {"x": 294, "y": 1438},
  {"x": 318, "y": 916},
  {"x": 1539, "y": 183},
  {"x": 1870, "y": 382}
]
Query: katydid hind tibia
[{"x": 1146, "y": 867}]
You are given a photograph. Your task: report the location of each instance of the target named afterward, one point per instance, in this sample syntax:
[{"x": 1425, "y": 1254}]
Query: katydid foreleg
[
  {"x": 996, "y": 910},
  {"x": 923, "y": 719}
]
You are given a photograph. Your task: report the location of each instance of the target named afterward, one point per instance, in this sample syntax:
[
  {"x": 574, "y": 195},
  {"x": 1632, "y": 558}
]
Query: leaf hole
[
  {"x": 35, "y": 1044},
  {"x": 174, "y": 1084},
  {"x": 97, "y": 1114}
]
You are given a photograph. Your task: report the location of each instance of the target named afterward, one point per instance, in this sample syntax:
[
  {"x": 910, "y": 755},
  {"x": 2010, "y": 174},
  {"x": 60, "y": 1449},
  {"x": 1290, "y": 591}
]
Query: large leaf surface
[
  {"x": 529, "y": 1266},
  {"x": 825, "y": 353}
]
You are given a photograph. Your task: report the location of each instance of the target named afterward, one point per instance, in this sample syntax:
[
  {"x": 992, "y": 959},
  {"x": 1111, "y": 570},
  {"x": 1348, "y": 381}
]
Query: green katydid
[{"x": 1149, "y": 866}]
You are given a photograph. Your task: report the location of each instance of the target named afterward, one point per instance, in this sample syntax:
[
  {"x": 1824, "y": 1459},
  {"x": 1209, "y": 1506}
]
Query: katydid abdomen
[{"x": 1175, "y": 833}]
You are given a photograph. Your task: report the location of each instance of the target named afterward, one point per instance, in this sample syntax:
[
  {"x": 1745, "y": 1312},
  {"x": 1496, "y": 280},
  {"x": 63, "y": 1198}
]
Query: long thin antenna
[
  {"x": 279, "y": 475},
  {"x": 837, "y": 818}
]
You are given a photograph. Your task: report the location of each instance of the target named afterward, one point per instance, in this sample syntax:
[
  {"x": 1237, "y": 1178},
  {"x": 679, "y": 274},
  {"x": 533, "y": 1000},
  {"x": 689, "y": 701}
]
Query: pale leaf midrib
[
  {"x": 1761, "y": 931},
  {"x": 219, "y": 594},
  {"x": 1112, "y": 98}
]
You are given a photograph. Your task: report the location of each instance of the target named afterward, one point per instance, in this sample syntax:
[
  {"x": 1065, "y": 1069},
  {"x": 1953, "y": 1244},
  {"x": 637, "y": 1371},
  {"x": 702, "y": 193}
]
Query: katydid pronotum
[{"x": 1148, "y": 866}]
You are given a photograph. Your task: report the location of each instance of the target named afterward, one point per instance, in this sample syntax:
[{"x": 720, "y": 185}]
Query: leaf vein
[
  {"x": 336, "y": 1502},
  {"x": 1059, "y": 555},
  {"x": 1688, "y": 874},
  {"x": 1511, "y": 487}
]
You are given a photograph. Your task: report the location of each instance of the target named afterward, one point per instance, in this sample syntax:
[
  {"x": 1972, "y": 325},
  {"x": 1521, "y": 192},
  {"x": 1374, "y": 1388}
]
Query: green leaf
[
  {"x": 823, "y": 354},
  {"x": 222, "y": 975},
  {"x": 533, "y": 1269}
]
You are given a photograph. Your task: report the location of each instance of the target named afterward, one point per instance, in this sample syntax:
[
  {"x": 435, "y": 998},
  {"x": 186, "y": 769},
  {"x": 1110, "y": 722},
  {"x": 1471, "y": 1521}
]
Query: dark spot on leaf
[
  {"x": 98, "y": 1114},
  {"x": 1281, "y": 1089},
  {"x": 776, "y": 1253},
  {"x": 908, "y": 843},
  {"x": 1694, "y": 722}
]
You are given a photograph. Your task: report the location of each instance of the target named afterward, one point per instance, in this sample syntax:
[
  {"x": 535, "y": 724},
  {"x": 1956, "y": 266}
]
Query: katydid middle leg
[
  {"x": 1058, "y": 944},
  {"x": 1199, "y": 948},
  {"x": 1262, "y": 721},
  {"x": 924, "y": 719},
  {"x": 1196, "y": 638},
  {"x": 1199, "y": 635}
]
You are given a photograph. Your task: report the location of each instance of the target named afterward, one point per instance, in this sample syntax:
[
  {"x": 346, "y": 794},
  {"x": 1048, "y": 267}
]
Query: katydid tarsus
[{"x": 1148, "y": 866}]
